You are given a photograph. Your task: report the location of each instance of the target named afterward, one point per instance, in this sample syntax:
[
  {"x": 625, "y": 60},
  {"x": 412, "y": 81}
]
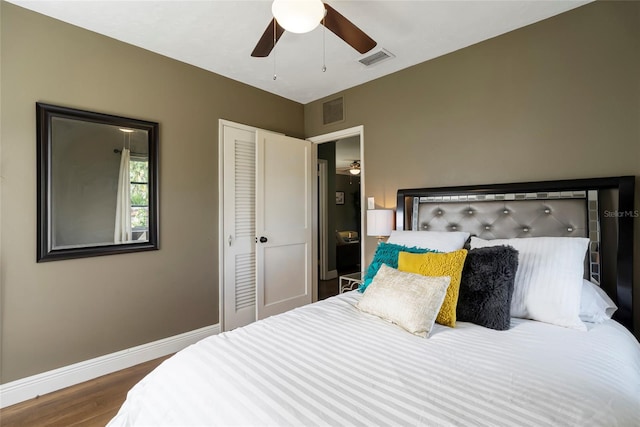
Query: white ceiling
[{"x": 219, "y": 35}]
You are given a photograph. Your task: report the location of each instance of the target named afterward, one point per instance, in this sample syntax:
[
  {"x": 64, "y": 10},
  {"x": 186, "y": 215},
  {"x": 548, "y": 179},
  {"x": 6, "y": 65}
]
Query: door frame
[
  {"x": 332, "y": 136},
  {"x": 323, "y": 241}
]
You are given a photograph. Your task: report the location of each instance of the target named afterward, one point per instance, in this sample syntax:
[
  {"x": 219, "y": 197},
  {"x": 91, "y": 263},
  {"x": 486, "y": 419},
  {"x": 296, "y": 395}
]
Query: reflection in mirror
[{"x": 97, "y": 184}]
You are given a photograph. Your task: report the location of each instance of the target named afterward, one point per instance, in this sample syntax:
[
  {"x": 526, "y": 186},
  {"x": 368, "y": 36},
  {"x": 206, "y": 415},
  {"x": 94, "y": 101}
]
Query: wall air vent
[
  {"x": 377, "y": 57},
  {"x": 333, "y": 111}
]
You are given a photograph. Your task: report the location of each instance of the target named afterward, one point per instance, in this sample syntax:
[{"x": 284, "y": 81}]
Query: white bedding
[{"x": 330, "y": 364}]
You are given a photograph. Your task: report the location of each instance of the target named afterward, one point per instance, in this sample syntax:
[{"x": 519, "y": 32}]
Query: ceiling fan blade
[
  {"x": 347, "y": 31},
  {"x": 266, "y": 43}
]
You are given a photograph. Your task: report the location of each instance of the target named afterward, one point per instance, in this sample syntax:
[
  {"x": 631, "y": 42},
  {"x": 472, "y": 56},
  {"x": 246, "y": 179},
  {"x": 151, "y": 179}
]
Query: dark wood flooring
[{"x": 327, "y": 288}]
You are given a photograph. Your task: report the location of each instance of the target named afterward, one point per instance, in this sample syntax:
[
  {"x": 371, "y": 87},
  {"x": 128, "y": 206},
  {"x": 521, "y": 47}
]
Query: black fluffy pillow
[{"x": 486, "y": 287}]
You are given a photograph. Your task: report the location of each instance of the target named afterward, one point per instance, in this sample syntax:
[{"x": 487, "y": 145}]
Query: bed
[{"x": 338, "y": 362}]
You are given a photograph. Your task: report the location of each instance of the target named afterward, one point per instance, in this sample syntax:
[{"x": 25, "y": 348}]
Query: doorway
[{"x": 340, "y": 214}]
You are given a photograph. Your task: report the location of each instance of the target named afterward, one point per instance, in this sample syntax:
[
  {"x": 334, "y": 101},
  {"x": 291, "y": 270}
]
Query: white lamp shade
[
  {"x": 298, "y": 16},
  {"x": 379, "y": 222}
]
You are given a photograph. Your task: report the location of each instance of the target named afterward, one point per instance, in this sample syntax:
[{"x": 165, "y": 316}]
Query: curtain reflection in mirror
[{"x": 122, "y": 231}]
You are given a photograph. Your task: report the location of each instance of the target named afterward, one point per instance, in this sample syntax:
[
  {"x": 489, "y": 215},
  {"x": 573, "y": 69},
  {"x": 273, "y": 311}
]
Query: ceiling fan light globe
[
  {"x": 354, "y": 171},
  {"x": 298, "y": 16}
]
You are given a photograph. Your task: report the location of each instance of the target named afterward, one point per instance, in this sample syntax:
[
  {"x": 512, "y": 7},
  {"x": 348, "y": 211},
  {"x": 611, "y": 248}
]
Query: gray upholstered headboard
[{"x": 600, "y": 209}]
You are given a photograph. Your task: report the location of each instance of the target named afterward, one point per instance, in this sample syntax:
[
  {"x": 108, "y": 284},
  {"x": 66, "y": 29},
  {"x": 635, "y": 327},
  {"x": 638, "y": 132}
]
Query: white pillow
[
  {"x": 548, "y": 283},
  {"x": 442, "y": 241},
  {"x": 595, "y": 304},
  {"x": 411, "y": 301}
]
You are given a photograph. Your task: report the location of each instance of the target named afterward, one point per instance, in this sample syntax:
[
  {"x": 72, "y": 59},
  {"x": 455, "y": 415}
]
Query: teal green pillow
[{"x": 387, "y": 253}]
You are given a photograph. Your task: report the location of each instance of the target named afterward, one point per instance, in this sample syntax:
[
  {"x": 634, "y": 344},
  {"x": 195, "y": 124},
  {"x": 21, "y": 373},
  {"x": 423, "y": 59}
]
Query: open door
[{"x": 285, "y": 171}]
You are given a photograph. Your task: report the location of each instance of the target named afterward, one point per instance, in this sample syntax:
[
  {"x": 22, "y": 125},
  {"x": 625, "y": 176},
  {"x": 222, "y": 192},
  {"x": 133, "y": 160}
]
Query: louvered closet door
[{"x": 239, "y": 227}]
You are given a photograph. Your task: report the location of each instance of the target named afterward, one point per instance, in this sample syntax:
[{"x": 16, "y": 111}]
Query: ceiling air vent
[
  {"x": 333, "y": 111},
  {"x": 375, "y": 58}
]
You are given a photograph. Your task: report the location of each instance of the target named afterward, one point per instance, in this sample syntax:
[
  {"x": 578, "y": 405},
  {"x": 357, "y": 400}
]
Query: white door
[
  {"x": 266, "y": 191},
  {"x": 284, "y": 223},
  {"x": 239, "y": 257}
]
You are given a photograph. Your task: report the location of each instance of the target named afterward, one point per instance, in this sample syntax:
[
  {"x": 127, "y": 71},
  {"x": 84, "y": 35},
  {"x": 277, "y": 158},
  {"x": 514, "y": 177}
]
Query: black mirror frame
[{"x": 44, "y": 114}]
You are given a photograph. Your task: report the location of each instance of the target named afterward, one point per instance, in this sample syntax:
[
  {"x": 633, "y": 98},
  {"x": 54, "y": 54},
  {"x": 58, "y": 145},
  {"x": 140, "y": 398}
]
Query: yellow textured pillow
[{"x": 438, "y": 264}]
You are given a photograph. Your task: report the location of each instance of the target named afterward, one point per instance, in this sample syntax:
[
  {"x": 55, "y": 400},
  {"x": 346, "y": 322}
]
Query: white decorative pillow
[
  {"x": 442, "y": 241},
  {"x": 548, "y": 283},
  {"x": 411, "y": 301},
  {"x": 595, "y": 304}
]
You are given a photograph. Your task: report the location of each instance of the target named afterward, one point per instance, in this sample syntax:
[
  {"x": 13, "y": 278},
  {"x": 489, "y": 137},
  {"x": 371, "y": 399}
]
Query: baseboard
[
  {"x": 332, "y": 274},
  {"x": 46, "y": 382}
]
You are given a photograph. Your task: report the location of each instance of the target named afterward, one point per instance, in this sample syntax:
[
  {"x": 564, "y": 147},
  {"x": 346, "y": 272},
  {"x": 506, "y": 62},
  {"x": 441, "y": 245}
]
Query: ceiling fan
[
  {"x": 352, "y": 169},
  {"x": 289, "y": 14}
]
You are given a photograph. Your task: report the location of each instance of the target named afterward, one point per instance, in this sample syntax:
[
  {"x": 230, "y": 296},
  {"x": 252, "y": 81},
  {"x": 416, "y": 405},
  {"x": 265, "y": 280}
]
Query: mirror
[{"x": 97, "y": 184}]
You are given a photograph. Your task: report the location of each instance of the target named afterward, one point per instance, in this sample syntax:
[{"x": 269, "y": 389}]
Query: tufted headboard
[{"x": 601, "y": 209}]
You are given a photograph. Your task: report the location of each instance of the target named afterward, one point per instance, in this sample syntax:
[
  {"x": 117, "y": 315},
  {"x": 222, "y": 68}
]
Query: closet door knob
[{"x": 263, "y": 239}]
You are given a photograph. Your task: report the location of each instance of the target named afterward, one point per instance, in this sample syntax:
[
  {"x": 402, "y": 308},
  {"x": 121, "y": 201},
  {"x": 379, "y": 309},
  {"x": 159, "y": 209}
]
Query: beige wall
[
  {"x": 58, "y": 313},
  {"x": 556, "y": 100}
]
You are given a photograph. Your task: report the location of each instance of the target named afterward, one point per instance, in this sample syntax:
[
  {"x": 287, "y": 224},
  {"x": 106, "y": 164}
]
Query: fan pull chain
[
  {"x": 275, "y": 39},
  {"x": 324, "y": 50}
]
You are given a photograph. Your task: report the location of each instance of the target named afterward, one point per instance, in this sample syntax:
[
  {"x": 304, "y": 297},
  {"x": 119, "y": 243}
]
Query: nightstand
[{"x": 349, "y": 282}]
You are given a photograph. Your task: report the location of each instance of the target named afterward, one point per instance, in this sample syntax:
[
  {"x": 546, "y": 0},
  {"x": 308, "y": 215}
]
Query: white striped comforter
[{"x": 329, "y": 364}]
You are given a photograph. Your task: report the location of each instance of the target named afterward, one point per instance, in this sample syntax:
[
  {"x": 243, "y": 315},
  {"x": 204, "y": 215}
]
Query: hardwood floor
[
  {"x": 92, "y": 403},
  {"x": 327, "y": 288}
]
